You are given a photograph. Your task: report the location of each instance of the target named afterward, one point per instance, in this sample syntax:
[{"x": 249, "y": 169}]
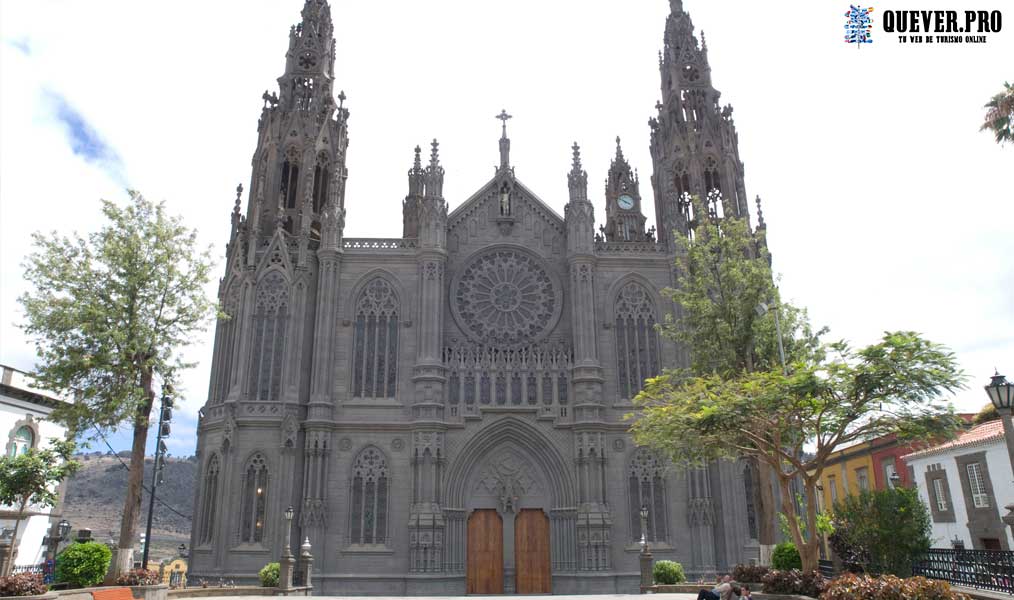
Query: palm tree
[{"x": 1000, "y": 116}]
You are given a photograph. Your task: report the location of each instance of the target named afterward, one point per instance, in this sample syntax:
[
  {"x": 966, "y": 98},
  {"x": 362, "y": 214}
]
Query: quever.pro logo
[{"x": 858, "y": 26}]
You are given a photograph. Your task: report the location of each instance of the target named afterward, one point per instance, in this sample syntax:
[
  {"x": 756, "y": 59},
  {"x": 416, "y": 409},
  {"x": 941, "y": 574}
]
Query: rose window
[{"x": 506, "y": 297}]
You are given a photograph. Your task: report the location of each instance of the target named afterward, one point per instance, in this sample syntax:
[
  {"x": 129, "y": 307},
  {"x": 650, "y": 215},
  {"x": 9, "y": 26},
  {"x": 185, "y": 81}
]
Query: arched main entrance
[{"x": 515, "y": 501}]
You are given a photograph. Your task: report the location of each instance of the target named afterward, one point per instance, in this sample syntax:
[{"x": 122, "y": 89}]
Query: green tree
[
  {"x": 30, "y": 479},
  {"x": 881, "y": 532},
  {"x": 109, "y": 313},
  {"x": 1000, "y": 116},
  {"x": 986, "y": 414},
  {"x": 893, "y": 386},
  {"x": 723, "y": 276}
]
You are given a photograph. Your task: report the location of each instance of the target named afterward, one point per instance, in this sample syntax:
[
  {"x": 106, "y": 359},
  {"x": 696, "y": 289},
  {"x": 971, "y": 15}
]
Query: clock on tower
[{"x": 624, "y": 221}]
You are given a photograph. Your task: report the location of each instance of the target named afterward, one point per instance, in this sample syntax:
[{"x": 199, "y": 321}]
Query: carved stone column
[{"x": 426, "y": 523}]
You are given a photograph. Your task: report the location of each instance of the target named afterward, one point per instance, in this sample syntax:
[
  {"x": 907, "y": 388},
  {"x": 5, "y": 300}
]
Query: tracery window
[
  {"x": 271, "y": 317},
  {"x": 646, "y": 487},
  {"x": 637, "y": 351},
  {"x": 209, "y": 502},
  {"x": 368, "y": 506},
  {"x": 23, "y": 441},
  {"x": 226, "y": 340},
  {"x": 255, "y": 495},
  {"x": 375, "y": 357}
]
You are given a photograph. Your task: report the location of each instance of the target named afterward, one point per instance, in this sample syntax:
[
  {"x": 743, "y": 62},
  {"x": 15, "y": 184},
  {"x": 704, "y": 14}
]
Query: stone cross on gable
[
  {"x": 503, "y": 116},
  {"x": 505, "y": 143}
]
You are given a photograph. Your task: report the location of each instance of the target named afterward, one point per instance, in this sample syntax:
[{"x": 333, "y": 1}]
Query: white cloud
[{"x": 886, "y": 207}]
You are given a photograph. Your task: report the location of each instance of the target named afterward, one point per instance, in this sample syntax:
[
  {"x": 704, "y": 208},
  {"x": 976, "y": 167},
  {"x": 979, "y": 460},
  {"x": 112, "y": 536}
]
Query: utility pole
[{"x": 165, "y": 415}]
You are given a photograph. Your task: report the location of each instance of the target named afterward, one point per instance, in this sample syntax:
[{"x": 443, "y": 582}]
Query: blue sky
[{"x": 886, "y": 207}]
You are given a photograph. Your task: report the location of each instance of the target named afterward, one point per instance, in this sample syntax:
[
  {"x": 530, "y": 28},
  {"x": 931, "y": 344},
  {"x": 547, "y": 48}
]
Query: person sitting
[
  {"x": 745, "y": 593},
  {"x": 721, "y": 591}
]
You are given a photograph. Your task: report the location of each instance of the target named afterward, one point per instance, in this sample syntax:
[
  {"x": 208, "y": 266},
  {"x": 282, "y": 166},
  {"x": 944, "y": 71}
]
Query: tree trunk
[
  {"x": 132, "y": 504},
  {"x": 810, "y": 552},
  {"x": 9, "y": 563}
]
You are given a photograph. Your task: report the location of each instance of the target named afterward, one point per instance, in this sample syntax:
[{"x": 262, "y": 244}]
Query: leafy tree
[
  {"x": 108, "y": 314},
  {"x": 31, "y": 478},
  {"x": 881, "y": 532},
  {"x": 724, "y": 274},
  {"x": 1000, "y": 116},
  {"x": 892, "y": 386}
]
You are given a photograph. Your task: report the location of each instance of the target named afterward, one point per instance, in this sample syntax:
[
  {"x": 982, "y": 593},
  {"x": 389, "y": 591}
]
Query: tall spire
[{"x": 505, "y": 142}]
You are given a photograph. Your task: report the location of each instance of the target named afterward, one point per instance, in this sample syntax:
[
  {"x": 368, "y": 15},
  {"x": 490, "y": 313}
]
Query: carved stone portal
[{"x": 508, "y": 478}]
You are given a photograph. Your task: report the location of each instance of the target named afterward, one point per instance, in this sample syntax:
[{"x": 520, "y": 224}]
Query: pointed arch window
[
  {"x": 209, "y": 501},
  {"x": 290, "y": 180},
  {"x": 225, "y": 341},
  {"x": 255, "y": 495},
  {"x": 750, "y": 488},
  {"x": 271, "y": 318},
  {"x": 375, "y": 356},
  {"x": 646, "y": 487},
  {"x": 368, "y": 505},
  {"x": 711, "y": 177},
  {"x": 321, "y": 176},
  {"x": 637, "y": 351}
]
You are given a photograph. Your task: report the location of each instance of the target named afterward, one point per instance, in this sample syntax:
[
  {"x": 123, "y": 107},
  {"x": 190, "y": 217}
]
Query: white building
[
  {"x": 966, "y": 483},
  {"x": 23, "y": 424}
]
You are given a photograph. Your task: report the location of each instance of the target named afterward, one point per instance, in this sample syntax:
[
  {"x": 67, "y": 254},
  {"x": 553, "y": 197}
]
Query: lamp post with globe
[{"x": 1001, "y": 394}]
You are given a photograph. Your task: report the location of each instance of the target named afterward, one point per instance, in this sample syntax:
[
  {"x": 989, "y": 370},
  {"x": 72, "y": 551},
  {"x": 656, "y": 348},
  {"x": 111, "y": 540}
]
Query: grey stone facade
[{"x": 387, "y": 388}]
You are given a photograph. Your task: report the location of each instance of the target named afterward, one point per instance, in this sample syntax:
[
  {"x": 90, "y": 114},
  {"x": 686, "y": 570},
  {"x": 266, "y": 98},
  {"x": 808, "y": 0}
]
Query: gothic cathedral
[{"x": 444, "y": 410}]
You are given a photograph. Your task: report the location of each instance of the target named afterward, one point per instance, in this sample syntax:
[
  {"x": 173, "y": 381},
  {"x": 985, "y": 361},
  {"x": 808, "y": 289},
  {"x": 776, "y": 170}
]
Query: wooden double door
[{"x": 532, "y": 573}]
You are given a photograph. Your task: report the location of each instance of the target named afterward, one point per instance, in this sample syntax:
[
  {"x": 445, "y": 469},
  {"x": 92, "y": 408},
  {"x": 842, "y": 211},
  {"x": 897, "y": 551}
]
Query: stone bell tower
[
  {"x": 624, "y": 217},
  {"x": 694, "y": 144}
]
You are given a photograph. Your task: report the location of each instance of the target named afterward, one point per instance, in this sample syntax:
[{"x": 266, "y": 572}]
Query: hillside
[{"x": 95, "y": 496}]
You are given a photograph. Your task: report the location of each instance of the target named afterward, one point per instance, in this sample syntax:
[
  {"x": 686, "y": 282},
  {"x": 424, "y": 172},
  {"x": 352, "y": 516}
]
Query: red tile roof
[{"x": 987, "y": 432}]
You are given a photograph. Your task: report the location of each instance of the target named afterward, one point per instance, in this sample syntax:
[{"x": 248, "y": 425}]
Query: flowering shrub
[
  {"x": 22, "y": 584},
  {"x": 667, "y": 572},
  {"x": 888, "y": 587},
  {"x": 749, "y": 573},
  {"x": 811, "y": 583},
  {"x": 139, "y": 577}
]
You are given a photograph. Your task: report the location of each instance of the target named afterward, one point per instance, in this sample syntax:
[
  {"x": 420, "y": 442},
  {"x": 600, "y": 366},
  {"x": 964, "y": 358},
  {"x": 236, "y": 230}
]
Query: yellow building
[
  {"x": 174, "y": 573},
  {"x": 847, "y": 471}
]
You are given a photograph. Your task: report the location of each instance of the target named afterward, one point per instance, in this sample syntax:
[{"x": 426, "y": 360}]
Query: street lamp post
[
  {"x": 1001, "y": 394},
  {"x": 165, "y": 415},
  {"x": 645, "y": 559},
  {"x": 287, "y": 561}
]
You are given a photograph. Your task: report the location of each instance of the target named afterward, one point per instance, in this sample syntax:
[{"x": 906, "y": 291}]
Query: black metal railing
[
  {"x": 980, "y": 569},
  {"x": 40, "y": 569}
]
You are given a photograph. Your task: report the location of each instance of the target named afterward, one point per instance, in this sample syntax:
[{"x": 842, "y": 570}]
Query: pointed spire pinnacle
[
  {"x": 704, "y": 42},
  {"x": 760, "y": 215},
  {"x": 619, "y": 150},
  {"x": 676, "y": 6},
  {"x": 418, "y": 159},
  {"x": 239, "y": 193},
  {"x": 434, "y": 154},
  {"x": 434, "y": 173},
  {"x": 577, "y": 179}
]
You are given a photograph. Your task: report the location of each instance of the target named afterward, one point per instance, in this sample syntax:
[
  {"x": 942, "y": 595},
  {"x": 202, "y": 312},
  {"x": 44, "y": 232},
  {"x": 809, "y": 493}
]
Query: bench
[{"x": 121, "y": 593}]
